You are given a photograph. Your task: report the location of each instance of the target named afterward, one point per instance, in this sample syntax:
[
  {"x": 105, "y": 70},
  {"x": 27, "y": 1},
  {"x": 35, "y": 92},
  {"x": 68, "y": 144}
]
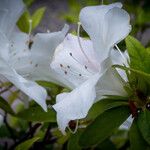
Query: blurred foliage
[{"x": 28, "y": 22}]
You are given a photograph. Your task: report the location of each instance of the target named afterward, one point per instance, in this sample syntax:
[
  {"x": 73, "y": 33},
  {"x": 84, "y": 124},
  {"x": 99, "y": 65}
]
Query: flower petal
[
  {"x": 127, "y": 124},
  {"x": 102, "y": 29},
  {"x": 32, "y": 89},
  {"x": 11, "y": 11},
  {"x": 33, "y": 62},
  {"x": 76, "y": 104},
  {"x": 110, "y": 83},
  {"x": 72, "y": 63},
  {"x": 118, "y": 28},
  {"x": 4, "y": 45}
]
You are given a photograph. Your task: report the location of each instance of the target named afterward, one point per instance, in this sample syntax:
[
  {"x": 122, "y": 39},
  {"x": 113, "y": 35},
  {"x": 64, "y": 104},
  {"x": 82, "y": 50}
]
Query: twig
[
  {"x": 9, "y": 128},
  {"x": 26, "y": 136}
]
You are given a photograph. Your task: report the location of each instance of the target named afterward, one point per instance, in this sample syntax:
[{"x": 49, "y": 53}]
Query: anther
[
  {"x": 65, "y": 72},
  {"x": 30, "y": 44},
  {"x": 61, "y": 65},
  {"x": 36, "y": 65}
]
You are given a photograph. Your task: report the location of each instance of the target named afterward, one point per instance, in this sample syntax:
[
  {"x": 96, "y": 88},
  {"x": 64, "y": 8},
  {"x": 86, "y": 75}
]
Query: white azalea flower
[
  {"x": 86, "y": 64},
  {"x": 23, "y": 58}
]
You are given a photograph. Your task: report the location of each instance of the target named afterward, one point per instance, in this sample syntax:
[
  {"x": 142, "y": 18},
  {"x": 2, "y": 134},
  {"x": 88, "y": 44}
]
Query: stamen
[
  {"x": 65, "y": 72},
  {"x": 69, "y": 70},
  {"x": 30, "y": 27},
  {"x": 36, "y": 65},
  {"x": 81, "y": 48},
  {"x": 30, "y": 42},
  {"x": 78, "y": 35},
  {"x": 76, "y": 127},
  {"x": 79, "y": 62}
]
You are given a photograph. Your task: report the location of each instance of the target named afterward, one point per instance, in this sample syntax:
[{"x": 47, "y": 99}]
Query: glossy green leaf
[
  {"x": 103, "y": 126},
  {"x": 73, "y": 143},
  {"x": 144, "y": 125},
  {"x": 136, "y": 140},
  {"x": 139, "y": 56},
  {"x": 104, "y": 105},
  {"x": 27, "y": 144},
  {"x": 23, "y": 22},
  {"x": 5, "y": 106},
  {"x": 36, "y": 113}
]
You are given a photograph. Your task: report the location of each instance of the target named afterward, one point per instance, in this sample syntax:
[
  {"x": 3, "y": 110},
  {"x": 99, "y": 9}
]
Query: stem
[
  {"x": 26, "y": 136},
  {"x": 9, "y": 128}
]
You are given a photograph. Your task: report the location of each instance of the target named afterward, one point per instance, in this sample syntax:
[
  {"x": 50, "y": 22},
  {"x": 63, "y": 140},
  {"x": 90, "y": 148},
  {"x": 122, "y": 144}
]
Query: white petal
[
  {"x": 12, "y": 9},
  {"x": 32, "y": 89},
  {"x": 72, "y": 63},
  {"x": 4, "y": 47},
  {"x": 127, "y": 124},
  {"x": 76, "y": 104},
  {"x": 110, "y": 83},
  {"x": 98, "y": 23},
  {"x": 34, "y": 63},
  {"x": 120, "y": 59},
  {"x": 118, "y": 28}
]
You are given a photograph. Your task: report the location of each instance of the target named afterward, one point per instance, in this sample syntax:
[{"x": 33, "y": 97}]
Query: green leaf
[
  {"x": 107, "y": 145},
  {"x": 143, "y": 75},
  {"x": 36, "y": 113},
  {"x": 5, "y": 106},
  {"x": 120, "y": 138},
  {"x": 104, "y": 105},
  {"x": 103, "y": 126},
  {"x": 4, "y": 132},
  {"x": 144, "y": 125},
  {"x": 37, "y": 17},
  {"x": 23, "y": 22},
  {"x": 73, "y": 143},
  {"x": 136, "y": 140},
  {"x": 27, "y": 144},
  {"x": 28, "y": 2},
  {"x": 139, "y": 56}
]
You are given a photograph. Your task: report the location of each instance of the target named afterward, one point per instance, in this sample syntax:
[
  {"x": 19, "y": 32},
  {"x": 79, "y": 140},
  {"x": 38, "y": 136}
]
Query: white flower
[
  {"x": 23, "y": 58},
  {"x": 86, "y": 64}
]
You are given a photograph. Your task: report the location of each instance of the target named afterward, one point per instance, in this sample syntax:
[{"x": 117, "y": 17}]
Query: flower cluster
[
  {"x": 91, "y": 68},
  {"x": 83, "y": 65}
]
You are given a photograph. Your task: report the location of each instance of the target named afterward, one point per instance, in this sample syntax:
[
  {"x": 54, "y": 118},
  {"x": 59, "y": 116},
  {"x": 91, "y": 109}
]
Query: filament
[
  {"x": 80, "y": 45},
  {"x": 76, "y": 128},
  {"x": 78, "y": 33},
  {"x": 30, "y": 27}
]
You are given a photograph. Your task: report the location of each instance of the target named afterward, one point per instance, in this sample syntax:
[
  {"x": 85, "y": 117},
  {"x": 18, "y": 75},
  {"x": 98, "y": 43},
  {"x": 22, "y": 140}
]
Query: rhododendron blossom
[{"x": 86, "y": 64}]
